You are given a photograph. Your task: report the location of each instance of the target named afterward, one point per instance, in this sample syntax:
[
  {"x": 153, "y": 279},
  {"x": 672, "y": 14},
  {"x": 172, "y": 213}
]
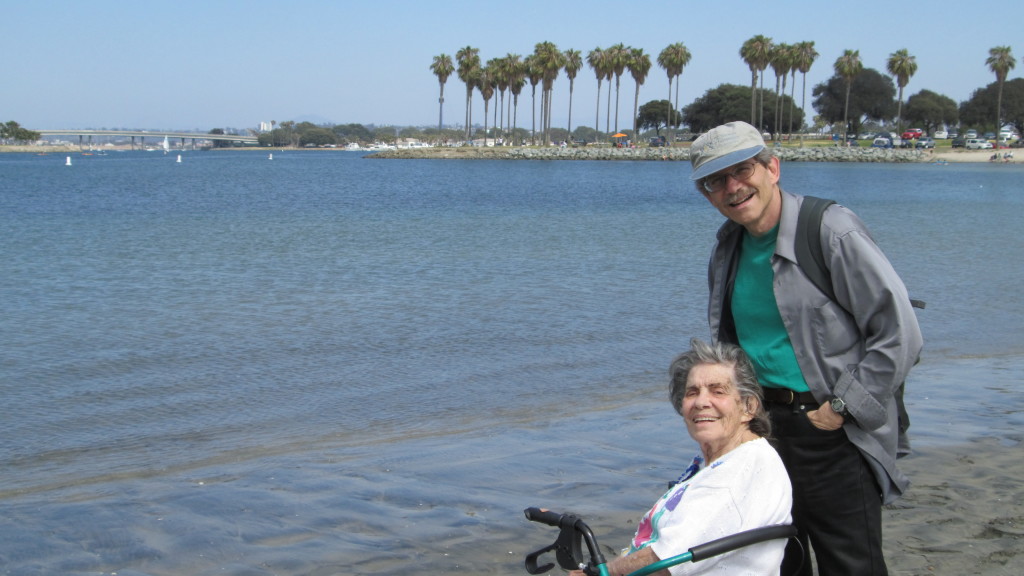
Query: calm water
[{"x": 324, "y": 364}]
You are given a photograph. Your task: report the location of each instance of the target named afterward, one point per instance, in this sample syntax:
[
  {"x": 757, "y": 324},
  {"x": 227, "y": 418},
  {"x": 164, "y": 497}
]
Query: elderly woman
[{"x": 736, "y": 483}]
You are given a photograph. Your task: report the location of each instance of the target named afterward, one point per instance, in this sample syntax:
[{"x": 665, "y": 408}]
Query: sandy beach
[{"x": 961, "y": 155}]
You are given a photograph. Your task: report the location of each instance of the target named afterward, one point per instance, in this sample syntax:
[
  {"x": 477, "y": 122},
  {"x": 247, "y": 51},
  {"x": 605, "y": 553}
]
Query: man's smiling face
[{"x": 755, "y": 202}]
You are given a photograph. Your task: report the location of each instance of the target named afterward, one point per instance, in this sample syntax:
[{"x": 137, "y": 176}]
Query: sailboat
[{"x": 167, "y": 145}]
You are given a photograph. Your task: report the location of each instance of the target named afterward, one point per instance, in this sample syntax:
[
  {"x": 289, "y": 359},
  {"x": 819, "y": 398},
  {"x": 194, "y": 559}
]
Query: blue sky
[{"x": 206, "y": 64}]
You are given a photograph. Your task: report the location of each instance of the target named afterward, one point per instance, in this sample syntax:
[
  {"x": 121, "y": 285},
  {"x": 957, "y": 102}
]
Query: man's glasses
[{"x": 717, "y": 182}]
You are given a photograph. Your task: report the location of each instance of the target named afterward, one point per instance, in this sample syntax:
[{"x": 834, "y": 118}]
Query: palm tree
[
  {"x": 779, "y": 59},
  {"x": 485, "y": 83},
  {"x": 805, "y": 57},
  {"x": 848, "y": 66},
  {"x": 516, "y": 82},
  {"x": 1000, "y": 61},
  {"x": 573, "y": 63},
  {"x": 673, "y": 59},
  {"x": 617, "y": 65},
  {"x": 469, "y": 63},
  {"x": 534, "y": 74},
  {"x": 595, "y": 59},
  {"x": 515, "y": 77},
  {"x": 902, "y": 66},
  {"x": 550, "y": 60},
  {"x": 639, "y": 65},
  {"x": 499, "y": 73},
  {"x": 442, "y": 68},
  {"x": 755, "y": 52},
  {"x": 496, "y": 75}
]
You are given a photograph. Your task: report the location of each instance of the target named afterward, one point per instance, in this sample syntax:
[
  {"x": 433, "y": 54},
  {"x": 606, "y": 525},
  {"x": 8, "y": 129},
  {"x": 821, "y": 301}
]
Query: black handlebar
[
  {"x": 543, "y": 516},
  {"x": 568, "y": 547},
  {"x": 729, "y": 543}
]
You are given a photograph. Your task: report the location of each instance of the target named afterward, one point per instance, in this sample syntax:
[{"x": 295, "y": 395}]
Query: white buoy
[
  {"x": 68, "y": 163},
  {"x": 179, "y": 158},
  {"x": 271, "y": 157}
]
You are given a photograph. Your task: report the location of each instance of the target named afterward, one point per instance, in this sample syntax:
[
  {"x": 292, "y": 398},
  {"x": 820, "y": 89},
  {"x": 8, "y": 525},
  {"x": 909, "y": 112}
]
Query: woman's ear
[{"x": 749, "y": 409}]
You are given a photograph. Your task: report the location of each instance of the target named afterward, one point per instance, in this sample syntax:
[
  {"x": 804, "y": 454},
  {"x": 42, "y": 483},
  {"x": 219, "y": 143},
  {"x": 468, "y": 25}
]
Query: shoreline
[{"x": 672, "y": 153}]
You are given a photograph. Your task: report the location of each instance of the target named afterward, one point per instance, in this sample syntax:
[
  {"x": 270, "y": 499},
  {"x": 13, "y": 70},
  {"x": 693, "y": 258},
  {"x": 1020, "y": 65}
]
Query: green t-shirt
[{"x": 758, "y": 322}]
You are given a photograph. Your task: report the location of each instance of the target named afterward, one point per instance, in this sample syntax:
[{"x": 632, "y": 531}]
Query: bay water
[{"x": 320, "y": 363}]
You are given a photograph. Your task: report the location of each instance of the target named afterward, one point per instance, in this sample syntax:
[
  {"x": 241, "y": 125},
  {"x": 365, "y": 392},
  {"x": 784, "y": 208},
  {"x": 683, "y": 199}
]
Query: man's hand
[{"x": 824, "y": 418}]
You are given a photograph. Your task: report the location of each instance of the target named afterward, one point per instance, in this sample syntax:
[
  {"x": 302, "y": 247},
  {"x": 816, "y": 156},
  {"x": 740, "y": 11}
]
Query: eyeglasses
[{"x": 717, "y": 182}]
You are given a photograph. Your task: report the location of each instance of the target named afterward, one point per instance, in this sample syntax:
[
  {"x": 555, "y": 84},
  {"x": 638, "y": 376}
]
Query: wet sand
[{"x": 452, "y": 503}]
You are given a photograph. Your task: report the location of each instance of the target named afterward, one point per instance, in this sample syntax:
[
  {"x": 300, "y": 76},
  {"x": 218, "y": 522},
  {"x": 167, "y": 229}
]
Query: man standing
[{"x": 830, "y": 367}]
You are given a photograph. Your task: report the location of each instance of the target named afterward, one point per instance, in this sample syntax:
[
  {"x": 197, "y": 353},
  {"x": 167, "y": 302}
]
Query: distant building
[{"x": 265, "y": 127}]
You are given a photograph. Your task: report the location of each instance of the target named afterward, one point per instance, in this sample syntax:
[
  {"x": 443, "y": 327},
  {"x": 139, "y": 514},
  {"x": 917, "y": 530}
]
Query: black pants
[{"x": 837, "y": 504}]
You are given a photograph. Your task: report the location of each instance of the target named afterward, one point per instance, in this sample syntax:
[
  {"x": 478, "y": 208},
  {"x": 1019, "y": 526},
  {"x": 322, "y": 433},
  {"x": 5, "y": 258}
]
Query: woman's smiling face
[{"x": 714, "y": 412}]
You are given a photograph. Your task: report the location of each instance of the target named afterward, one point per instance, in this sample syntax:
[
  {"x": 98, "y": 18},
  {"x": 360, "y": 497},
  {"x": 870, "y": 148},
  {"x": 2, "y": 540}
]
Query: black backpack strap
[{"x": 809, "y": 255}]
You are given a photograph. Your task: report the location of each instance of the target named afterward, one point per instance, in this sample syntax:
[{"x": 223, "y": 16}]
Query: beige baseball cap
[{"x": 724, "y": 146}]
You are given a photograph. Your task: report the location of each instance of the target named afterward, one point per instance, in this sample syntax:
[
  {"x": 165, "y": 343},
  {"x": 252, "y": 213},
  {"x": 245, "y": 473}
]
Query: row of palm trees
[{"x": 509, "y": 75}]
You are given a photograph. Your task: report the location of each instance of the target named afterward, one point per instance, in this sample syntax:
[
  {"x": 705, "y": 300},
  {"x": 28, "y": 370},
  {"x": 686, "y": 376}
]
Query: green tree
[
  {"x": 848, "y": 66},
  {"x": 317, "y": 136},
  {"x": 726, "y": 103},
  {"x": 901, "y": 65},
  {"x": 573, "y": 63},
  {"x": 442, "y": 67},
  {"x": 352, "y": 133},
  {"x": 977, "y": 110},
  {"x": 11, "y": 130},
  {"x": 1000, "y": 61},
  {"x": 930, "y": 110},
  {"x": 468, "y": 59},
  {"x": 871, "y": 96},
  {"x": 224, "y": 143},
  {"x": 756, "y": 53},
  {"x": 639, "y": 65},
  {"x": 585, "y": 134},
  {"x": 674, "y": 58},
  {"x": 654, "y": 115}
]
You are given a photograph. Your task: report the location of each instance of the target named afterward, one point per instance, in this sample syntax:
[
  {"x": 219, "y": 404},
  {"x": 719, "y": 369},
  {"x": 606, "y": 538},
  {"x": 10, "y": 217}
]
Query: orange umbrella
[{"x": 619, "y": 135}]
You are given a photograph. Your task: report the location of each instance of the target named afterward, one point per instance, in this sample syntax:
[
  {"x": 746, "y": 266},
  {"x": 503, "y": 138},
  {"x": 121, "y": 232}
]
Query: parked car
[
  {"x": 958, "y": 142},
  {"x": 940, "y": 135},
  {"x": 881, "y": 142},
  {"x": 954, "y": 134},
  {"x": 912, "y": 133},
  {"x": 971, "y": 134},
  {"x": 977, "y": 144},
  {"x": 658, "y": 141},
  {"x": 925, "y": 142}
]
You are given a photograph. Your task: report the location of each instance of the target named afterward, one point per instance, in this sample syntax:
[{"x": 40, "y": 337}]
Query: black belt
[{"x": 787, "y": 396}]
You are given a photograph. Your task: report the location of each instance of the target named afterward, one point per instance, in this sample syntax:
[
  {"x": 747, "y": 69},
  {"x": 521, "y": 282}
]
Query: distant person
[
  {"x": 831, "y": 365},
  {"x": 736, "y": 483}
]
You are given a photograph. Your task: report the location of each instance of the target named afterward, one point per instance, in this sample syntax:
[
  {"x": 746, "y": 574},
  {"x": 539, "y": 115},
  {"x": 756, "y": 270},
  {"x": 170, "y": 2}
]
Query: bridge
[{"x": 143, "y": 134}]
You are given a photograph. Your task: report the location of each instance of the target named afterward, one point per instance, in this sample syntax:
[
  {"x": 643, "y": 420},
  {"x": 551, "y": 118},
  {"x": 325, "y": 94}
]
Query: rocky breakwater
[{"x": 807, "y": 154}]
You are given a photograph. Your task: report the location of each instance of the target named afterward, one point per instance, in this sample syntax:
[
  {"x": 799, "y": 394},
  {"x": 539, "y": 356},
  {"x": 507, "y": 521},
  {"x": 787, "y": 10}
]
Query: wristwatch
[{"x": 839, "y": 407}]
